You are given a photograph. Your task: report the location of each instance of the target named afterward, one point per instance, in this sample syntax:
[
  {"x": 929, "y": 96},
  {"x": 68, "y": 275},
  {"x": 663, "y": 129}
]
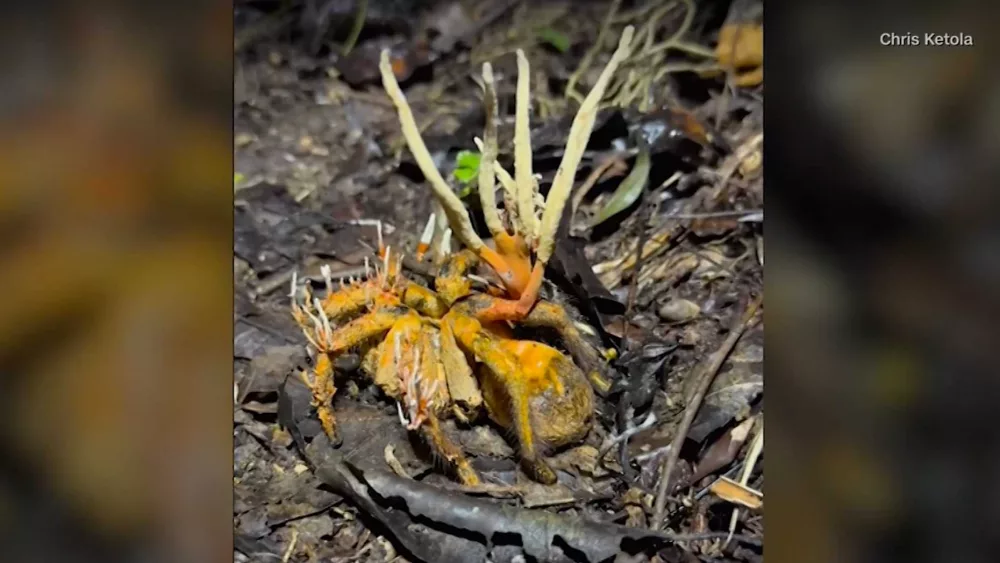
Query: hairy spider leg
[
  {"x": 329, "y": 344},
  {"x": 411, "y": 371},
  {"x": 448, "y": 451},
  {"x": 397, "y": 355},
  {"x": 503, "y": 365},
  {"x": 555, "y": 317},
  {"x": 424, "y": 301},
  {"x": 435, "y": 393},
  {"x": 452, "y": 284}
]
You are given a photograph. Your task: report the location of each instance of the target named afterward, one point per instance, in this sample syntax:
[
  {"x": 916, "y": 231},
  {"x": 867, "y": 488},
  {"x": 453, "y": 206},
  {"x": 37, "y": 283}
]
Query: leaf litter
[{"x": 316, "y": 151}]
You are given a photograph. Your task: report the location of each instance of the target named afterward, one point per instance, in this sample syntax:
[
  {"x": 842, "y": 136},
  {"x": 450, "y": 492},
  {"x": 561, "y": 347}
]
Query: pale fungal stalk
[
  {"x": 458, "y": 216},
  {"x": 522, "y": 199},
  {"x": 524, "y": 180},
  {"x": 487, "y": 178},
  {"x": 579, "y": 135},
  {"x": 426, "y": 237}
]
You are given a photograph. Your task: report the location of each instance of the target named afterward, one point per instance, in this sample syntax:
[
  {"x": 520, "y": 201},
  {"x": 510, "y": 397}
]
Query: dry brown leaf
[
  {"x": 731, "y": 491},
  {"x": 610, "y": 272},
  {"x": 535, "y": 495},
  {"x": 582, "y": 459},
  {"x": 634, "y": 501},
  {"x": 741, "y": 49},
  {"x": 713, "y": 264},
  {"x": 671, "y": 270},
  {"x": 723, "y": 451},
  {"x": 713, "y": 226}
]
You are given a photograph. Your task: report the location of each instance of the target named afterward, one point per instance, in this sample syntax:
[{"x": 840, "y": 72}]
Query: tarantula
[{"x": 452, "y": 349}]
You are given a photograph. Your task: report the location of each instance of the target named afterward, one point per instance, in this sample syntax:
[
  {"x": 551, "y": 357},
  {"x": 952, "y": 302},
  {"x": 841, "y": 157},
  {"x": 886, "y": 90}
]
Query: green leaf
[
  {"x": 557, "y": 39},
  {"x": 466, "y": 166},
  {"x": 628, "y": 191}
]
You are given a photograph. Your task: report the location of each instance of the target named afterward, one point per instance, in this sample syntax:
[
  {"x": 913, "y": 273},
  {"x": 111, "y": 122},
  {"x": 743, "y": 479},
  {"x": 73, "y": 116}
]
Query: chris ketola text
[{"x": 925, "y": 40}]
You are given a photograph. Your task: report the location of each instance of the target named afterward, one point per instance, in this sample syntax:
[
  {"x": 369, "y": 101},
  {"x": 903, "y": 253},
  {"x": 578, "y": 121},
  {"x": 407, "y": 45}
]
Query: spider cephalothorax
[{"x": 451, "y": 350}]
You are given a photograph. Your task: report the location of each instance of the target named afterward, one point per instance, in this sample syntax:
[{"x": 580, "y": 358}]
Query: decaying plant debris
[
  {"x": 658, "y": 255},
  {"x": 438, "y": 525}
]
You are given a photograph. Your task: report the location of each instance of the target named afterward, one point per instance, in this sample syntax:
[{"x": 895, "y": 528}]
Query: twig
[
  {"x": 356, "y": 27},
  {"x": 291, "y": 546},
  {"x": 632, "y": 430},
  {"x": 704, "y": 379},
  {"x": 272, "y": 283},
  {"x": 640, "y": 261},
  {"x": 612, "y": 159},
  {"x": 714, "y": 536},
  {"x": 715, "y": 214},
  {"x": 588, "y": 57},
  {"x": 755, "y": 450}
]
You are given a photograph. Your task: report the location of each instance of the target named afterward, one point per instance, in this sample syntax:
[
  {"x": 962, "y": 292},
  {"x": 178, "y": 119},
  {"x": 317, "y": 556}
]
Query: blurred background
[
  {"x": 115, "y": 298},
  {"x": 882, "y": 283}
]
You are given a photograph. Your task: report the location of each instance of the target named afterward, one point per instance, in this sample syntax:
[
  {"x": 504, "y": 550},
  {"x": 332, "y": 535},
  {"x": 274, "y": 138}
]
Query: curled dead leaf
[
  {"x": 713, "y": 264},
  {"x": 723, "y": 451},
  {"x": 731, "y": 491},
  {"x": 670, "y": 271}
]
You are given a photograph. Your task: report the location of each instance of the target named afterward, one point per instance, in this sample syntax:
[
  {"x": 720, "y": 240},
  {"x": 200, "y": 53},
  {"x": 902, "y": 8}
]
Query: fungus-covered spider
[{"x": 452, "y": 349}]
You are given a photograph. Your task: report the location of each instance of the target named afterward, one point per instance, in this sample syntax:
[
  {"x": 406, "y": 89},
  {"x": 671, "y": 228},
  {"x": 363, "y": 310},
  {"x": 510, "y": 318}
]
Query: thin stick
[
  {"x": 291, "y": 546},
  {"x": 755, "y": 450},
  {"x": 588, "y": 57},
  {"x": 359, "y": 23},
  {"x": 633, "y": 289},
  {"x": 704, "y": 379},
  {"x": 595, "y": 175}
]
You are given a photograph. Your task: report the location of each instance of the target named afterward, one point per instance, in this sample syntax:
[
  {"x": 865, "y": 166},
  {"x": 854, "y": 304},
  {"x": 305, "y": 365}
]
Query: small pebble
[
  {"x": 243, "y": 139},
  {"x": 677, "y": 310}
]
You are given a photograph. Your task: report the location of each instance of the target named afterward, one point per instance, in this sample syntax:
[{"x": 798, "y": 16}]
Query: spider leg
[
  {"x": 328, "y": 344},
  {"x": 320, "y": 382},
  {"x": 462, "y": 384},
  {"x": 399, "y": 343},
  {"x": 550, "y": 315},
  {"x": 452, "y": 283},
  {"x": 433, "y": 400},
  {"x": 424, "y": 301},
  {"x": 450, "y": 452},
  {"x": 360, "y": 329},
  {"x": 505, "y": 368}
]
